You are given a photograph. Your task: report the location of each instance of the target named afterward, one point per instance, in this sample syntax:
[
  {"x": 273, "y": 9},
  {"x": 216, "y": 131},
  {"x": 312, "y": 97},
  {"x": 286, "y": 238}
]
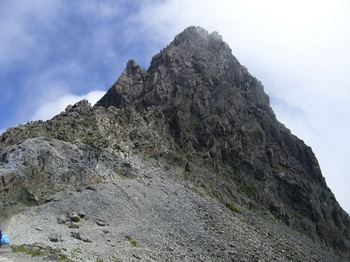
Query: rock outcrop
[
  {"x": 214, "y": 109},
  {"x": 195, "y": 109}
]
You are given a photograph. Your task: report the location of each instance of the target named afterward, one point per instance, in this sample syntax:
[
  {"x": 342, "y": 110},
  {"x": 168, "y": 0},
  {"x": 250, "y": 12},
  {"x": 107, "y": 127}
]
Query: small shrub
[
  {"x": 35, "y": 252},
  {"x": 20, "y": 249},
  {"x": 62, "y": 258},
  {"x": 132, "y": 241},
  {"x": 233, "y": 208},
  {"x": 249, "y": 191}
]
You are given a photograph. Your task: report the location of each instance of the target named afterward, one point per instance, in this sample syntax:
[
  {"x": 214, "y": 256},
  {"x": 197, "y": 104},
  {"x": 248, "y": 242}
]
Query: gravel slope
[{"x": 155, "y": 217}]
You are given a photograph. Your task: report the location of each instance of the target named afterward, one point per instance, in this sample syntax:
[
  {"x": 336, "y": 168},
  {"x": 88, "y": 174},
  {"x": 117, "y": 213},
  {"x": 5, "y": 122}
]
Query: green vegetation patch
[
  {"x": 20, "y": 249},
  {"x": 249, "y": 191},
  {"x": 36, "y": 251},
  {"x": 132, "y": 241},
  {"x": 233, "y": 208}
]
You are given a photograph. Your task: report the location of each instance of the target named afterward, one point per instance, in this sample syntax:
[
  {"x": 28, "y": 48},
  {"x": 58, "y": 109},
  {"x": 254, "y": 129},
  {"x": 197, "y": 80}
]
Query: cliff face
[
  {"x": 198, "y": 109},
  {"x": 213, "y": 108}
]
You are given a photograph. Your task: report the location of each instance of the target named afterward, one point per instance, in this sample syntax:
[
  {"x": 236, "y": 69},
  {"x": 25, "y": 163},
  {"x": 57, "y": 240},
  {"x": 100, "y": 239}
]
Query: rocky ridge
[{"x": 199, "y": 122}]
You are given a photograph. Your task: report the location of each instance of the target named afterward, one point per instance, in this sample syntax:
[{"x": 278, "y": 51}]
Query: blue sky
[
  {"x": 50, "y": 49},
  {"x": 53, "y": 53}
]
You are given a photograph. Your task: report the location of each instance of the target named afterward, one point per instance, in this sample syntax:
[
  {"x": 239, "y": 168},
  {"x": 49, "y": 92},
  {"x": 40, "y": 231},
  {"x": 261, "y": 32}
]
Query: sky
[{"x": 54, "y": 53}]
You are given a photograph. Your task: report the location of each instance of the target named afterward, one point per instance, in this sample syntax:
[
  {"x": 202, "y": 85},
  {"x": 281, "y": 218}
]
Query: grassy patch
[
  {"x": 132, "y": 241},
  {"x": 233, "y": 208},
  {"x": 29, "y": 250},
  {"x": 99, "y": 260},
  {"x": 20, "y": 249},
  {"x": 36, "y": 251},
  {"x": 77, "y": 250},
  {"x": 62, "y": 258},
  {"x": 249, "y": 191}
]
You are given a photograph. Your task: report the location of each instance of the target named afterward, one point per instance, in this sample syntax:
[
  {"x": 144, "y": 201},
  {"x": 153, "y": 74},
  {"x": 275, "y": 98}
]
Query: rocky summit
[{"x": 184, "y": 161}]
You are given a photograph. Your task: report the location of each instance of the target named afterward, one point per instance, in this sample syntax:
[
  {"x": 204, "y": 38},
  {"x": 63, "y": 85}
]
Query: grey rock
[
  {"x": 74, "y": 217},
  {"x": 78, "y": 236},
  {"x": 54, "y": 239},
  {"x": 81, "y": 214},
  {"x": 90, "y": 188},
  {"x": 74, "y": 225},
  {"x": 100, "y": 223},
  {"x": 61, "y": 220}
]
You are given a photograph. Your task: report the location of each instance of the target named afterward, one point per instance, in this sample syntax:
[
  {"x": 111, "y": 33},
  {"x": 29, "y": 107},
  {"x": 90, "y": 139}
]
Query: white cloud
[
  {"x": 298, "y": 49},
  {"x": 24, "y": 23},
  {"x": 17, "y": 35},
  {"x": 51, "y": 108},
  {"x": 51, "y": 56}
]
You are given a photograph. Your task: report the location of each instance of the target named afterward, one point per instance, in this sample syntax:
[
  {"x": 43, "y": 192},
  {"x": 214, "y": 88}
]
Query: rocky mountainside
[{"x": 184, "y": 160}]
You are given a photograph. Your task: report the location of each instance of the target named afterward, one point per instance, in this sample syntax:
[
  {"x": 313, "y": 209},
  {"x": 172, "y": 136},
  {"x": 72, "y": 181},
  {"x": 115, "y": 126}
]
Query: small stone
[
  {"x": 93, "y": 188},
  {"x": 39, "y": 229},
  {"x": 8, "y": 178},
  {"x": 53, "y": 239},
  {"x": 136, "y": 256},
  {"x": 74, "y": 217},
  {"x": 105, "y": 231},
  {"x": 126, "y": 164},
  {"x": 100, "y": 223},
  {"x": 81, "y": 214},
  {"x": 49, "y": 199},
  {"x": 74, "y": 225},
  {"x": 86, "y": 239},
  {"x": 77, "y": 235},
  {"x": 61, "y": 220},
  {"x": 187, "y": 167}
]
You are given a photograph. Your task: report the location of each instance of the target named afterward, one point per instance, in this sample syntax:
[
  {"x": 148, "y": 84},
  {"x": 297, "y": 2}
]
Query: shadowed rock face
[
  {"x": 213, "y": 108},
  {"x": 198, "y": 109}
]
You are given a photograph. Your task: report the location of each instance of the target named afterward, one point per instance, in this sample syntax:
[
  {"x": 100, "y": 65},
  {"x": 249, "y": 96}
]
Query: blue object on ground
[{"x": 5, "y": 240}]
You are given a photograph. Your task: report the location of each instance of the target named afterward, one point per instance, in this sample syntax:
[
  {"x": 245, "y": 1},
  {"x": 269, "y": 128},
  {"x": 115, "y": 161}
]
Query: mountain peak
[
  {"x": 196, "y": 41},
  {"x": 199, "y": 115},
  {"x": 196, "y": 33},
  {"x": 195, "y": 51},
  {"x": 194, "y": 59}
]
